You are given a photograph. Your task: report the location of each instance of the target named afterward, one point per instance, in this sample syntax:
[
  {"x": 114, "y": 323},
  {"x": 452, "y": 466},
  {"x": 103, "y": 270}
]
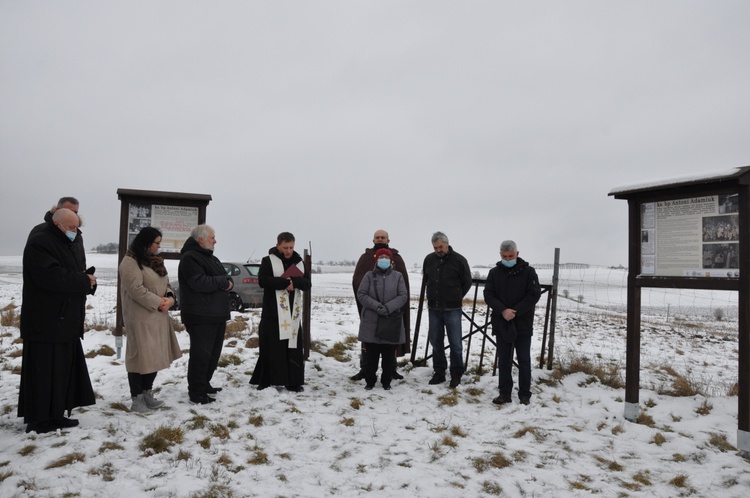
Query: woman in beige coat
[{"x": 146, "y": 298}]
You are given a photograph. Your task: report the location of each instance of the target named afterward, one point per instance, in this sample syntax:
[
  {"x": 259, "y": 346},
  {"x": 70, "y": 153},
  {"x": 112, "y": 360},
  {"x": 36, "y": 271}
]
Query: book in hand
[{"x": 292, "y": 271}]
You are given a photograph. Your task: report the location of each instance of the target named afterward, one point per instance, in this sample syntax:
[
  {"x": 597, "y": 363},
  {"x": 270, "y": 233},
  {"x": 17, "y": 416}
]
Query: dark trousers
[
  {"x": 373, "y": 352},
  {"x": 206, "y": 341},
  {"x": 363, "y": 358},
  {"x": 522, "y": 347},
  {"x": 140, "y": 382}
]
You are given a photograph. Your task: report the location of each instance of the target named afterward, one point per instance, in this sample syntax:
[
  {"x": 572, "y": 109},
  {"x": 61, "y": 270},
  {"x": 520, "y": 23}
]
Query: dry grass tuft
[
  {"x": 220, "y": 431},
  {"x": 458, "y": 431},
  {"x": 607, "y": 375},
  {"x": 68, "y": 459},
  {"x": 161, "y": 440},
  {"x": 106, "y": 471},
  {"x": 610, "y": 465},
  {"x": 705, "y": 408},
  {"x": 339, "y": 352},
  {"x": 103, "y": 350},
  {"x": 197, "y": 421},
  {"x": 530, "y": 429},
  {"x": 450, "y": 399},
  {"x": 177, "y": 324},
  {"x": 5, "y": 474},
  {"x": 109, "y": 445},
  {"x": 658, "y": 439},
  {"x": 253, "y": 342},
  {"x": 260, "y": 457},
  {"x": 679, "y": 481},
  {"x": 9, "y": 317},
  {"x": 236, "y": 327},
  {"x": 347, "y": 421},
  {"x": 641, "y": 477},
  {"x": 256, "y": 420},
  {"x": 229, "y": 359},
  {"x": 719, "y": 441},
  {"x": 27, "y": 450},
  {"x": 645, "y": 419},
  {"x": 356, "y": 403}
]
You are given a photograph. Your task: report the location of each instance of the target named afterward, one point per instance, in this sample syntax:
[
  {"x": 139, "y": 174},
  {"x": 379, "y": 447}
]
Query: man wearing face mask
[
  {"x": 54, "y": 376},
  {"x": 72, "y": 204},
  {"x": 512, "y": 291}
]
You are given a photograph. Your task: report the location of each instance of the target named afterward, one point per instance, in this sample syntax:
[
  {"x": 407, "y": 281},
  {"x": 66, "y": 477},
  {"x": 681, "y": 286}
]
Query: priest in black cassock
[
  {"x": 54, "y": 376},
  {"x": 281, "y": 359}
]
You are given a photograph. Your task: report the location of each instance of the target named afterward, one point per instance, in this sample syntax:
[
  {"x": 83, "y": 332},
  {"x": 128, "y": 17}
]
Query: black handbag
[{"x": 388, "y": 328}]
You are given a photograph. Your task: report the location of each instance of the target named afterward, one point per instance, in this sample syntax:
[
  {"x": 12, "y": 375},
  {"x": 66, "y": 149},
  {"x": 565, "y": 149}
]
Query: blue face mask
[
  {"x": 384, "y": 263},
  {"x": 509, "y": 264},
  {"x": 71, "y": 235}
]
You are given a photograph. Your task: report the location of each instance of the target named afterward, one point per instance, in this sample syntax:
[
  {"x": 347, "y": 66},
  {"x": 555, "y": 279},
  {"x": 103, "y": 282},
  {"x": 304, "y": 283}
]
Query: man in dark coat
[
  {"x": 365, "y": 264},
  {"x": 54, "y": 376},
  {"x": 67, "y": 203},
  {"x": 448, "y": 278},
  {"x": 281, "y": 359},
  {"x": 204, "y": 305},
  {"x": 512, "y": 291}
]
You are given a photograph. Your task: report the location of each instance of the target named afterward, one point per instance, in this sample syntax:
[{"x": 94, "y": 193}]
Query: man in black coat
[
  {"x": 204, "y": 304},
  {"x": 67, "y": 203},
  {"x": 448, "y": 278},
  {"x": 512, "y": 291},
  {"x": 54, "y": 376}
]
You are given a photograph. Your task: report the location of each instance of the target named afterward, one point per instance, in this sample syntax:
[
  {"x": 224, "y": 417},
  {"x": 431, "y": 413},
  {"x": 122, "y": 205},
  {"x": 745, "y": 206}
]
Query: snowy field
[{"x": 417, "y": 440}]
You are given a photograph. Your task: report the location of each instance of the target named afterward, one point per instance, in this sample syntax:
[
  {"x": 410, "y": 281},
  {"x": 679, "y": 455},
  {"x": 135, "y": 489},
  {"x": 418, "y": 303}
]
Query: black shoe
[
  {"x": 358, "y": 376},
  {"x": 41, "y": 427},
  {"x": 213, "y": 390},
  {"x": 201, "y": 399},
  {"x": 397, "y": 376},
  {"x": 263, "y": 386},
  {"x": 525, "y": 400},
  {"x": 455, "y": 379},
  {"x": 369, "y": 386},
  {"x": 501, "y": 400},
  {"x": 437, "y": 378},
  {"x": 387, "y": 387},
  {"x": 65, "y": 423},
  {"x": 295, "y": 389}
]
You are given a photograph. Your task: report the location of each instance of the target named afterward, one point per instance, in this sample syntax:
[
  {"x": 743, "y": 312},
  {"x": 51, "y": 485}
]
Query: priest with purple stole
[{"x": 281, "y": 358}]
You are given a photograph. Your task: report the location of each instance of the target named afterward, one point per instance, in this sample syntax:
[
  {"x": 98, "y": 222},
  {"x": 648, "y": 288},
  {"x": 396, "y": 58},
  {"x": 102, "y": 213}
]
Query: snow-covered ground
[{"x": 336, "y": 439}]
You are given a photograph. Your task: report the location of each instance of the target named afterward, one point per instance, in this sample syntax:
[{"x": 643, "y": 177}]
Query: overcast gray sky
[{"x": 330, "y": 119}]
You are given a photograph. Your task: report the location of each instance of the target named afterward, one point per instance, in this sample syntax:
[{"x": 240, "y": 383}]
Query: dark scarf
[{"x": 153, "y": 261}]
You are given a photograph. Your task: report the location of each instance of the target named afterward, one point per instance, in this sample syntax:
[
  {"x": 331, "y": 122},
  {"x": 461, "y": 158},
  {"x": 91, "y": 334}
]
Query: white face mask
[{"x": 71, "y": 235}]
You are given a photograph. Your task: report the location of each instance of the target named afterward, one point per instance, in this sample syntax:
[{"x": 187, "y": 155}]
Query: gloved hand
[{"x": 382, "y": 310}]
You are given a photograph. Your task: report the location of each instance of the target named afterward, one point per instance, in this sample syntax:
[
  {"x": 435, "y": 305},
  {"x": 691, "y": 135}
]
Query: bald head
[
  {"x": 66, "y": 220},
  {"x": 380, "y": 237}
]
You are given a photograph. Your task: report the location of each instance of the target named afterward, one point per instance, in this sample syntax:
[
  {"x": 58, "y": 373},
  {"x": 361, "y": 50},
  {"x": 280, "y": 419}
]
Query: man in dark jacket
[
  {"x": 204, "y": 305},
  {"x": 54, "y": 376},
  {"x": 67, "y": 203},
  {"x": 448, "y": 279},
  {"x": 512, "y": 291},
  {"x": 366, "y": 263}
]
